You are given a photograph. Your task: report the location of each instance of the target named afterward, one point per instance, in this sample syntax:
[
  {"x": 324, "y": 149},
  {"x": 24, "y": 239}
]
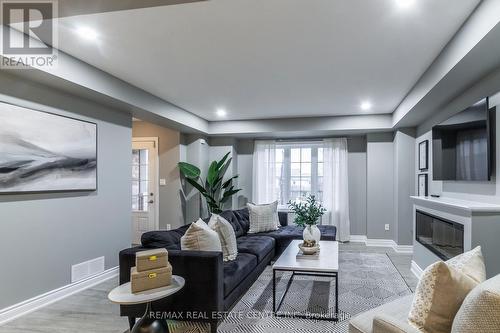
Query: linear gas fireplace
[{"x": 443, "y": 237}]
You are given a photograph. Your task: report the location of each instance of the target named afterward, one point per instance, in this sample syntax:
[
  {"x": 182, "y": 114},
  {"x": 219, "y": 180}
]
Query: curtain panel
[
  {"x": 264, "y": 172},
  {"x": 336, "y": 186}
]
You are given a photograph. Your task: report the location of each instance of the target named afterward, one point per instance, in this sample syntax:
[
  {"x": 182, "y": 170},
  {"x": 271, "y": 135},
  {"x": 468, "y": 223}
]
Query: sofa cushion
[
  {"x": 294, "y": 232},
  {"x": 398, "y": 310},
  {"x": 259, "y": 246},
  {"x": 480, "y": 310},
  {"x": 237, "y": 270},
  {"x": 171, "y": 240},
  {"x": 387, "y": 324},
  {"x": 239, "y": 219}
]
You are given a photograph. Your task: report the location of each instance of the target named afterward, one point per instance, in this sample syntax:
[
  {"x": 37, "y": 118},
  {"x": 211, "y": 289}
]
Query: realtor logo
[{"x": 29, "y": 37}]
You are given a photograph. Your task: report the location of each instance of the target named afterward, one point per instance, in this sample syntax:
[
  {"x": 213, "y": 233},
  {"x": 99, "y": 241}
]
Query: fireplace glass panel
[{"x": 444, "y": 238}]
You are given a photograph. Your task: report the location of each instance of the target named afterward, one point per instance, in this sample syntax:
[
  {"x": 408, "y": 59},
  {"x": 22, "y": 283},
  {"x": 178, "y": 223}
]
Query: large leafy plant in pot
[{"x": 214, "y": 189}]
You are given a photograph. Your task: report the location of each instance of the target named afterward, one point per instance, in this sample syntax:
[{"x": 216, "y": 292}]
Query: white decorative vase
[{"x": 312, "y": 232}]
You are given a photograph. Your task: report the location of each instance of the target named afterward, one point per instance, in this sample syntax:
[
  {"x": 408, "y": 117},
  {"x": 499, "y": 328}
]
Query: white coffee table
[
  {"x": 325, "y": 265},
  {"x": 123, "y": 295}
]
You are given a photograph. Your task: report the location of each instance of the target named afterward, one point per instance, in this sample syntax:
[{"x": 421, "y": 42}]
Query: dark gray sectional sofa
[{"x": 212, "y": 285}]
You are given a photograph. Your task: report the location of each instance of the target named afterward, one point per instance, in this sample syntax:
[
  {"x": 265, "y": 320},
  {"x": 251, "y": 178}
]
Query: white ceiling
[{"x": 271, "y": 58}]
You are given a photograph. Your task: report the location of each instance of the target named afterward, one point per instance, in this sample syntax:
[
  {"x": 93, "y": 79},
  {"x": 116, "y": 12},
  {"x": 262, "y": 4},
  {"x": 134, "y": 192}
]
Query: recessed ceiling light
[
  {"x": 87, "y": 33},
  {"x": 405, "y": 3},
  {"x": 221, "y": 113},
  {"x": 365, "y": 106}
]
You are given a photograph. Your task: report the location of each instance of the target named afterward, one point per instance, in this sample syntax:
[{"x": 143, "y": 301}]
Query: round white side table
[{"x": 123, "y": 295}]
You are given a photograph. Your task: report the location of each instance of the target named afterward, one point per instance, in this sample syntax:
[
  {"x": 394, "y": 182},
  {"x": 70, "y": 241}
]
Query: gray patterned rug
[{"x": 366, "y": 280}]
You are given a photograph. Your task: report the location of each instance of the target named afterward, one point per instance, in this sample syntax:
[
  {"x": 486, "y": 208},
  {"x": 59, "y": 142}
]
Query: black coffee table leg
[{"x": 150, "y": 325}]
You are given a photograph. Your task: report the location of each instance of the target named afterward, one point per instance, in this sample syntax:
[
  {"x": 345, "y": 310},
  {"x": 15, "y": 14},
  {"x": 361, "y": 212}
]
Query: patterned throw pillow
[
  {"x": 226, "y": 236},
  {"x": 470, "y": 263},
  {"x": 263, "y": 217},
  {"x": 480, "y": 310},
  {"x": 199, "y": 237},
  {"x": 439, "y": 295}
]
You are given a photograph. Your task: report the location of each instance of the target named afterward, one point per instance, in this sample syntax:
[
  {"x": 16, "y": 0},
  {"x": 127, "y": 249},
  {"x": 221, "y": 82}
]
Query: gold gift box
[
  {"x": 151, "y": 259},
  {"x": 152, "y": 279}
]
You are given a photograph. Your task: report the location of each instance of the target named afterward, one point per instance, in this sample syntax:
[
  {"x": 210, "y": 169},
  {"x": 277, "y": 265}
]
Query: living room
[{"x": 285, "y": 165}]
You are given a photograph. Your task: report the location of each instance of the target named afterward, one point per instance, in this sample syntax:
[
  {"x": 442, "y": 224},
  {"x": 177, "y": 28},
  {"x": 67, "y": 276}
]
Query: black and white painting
[{"x": 40, "y": 152}]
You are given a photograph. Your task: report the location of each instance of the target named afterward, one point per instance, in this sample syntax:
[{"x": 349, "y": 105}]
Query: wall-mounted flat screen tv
[{"x": 463, "y": 145}]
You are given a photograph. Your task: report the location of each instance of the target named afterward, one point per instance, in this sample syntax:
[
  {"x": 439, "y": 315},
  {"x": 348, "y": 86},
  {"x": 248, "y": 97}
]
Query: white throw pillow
[
  {"x": 199, "y": 237},
  {"x": 263, "y": 217},
  {"x": 470, "y": 263},
  {"x": 227, "y": 236}
]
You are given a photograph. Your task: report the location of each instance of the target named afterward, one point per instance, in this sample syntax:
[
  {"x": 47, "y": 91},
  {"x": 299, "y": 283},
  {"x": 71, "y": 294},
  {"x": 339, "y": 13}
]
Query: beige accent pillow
[
  {"x": 227, "y": 236},
  {"x": 470, "y": 263},
  {"x": 480, "y": 311},
  {"x": 263, "y": 217},
  {"x": 439, "y": 294},
  {"x": 199, "y": 237}
]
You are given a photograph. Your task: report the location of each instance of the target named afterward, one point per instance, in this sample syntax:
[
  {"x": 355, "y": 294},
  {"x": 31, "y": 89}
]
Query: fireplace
[{"x": 443, "y": 237}]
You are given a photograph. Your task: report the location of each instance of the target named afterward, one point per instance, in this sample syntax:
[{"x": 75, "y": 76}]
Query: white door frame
[{"x": 157, "y": 168}]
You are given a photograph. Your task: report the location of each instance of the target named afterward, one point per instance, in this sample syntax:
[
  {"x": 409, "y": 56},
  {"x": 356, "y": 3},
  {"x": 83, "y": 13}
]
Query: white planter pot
[{"x": 312, "y": 232}]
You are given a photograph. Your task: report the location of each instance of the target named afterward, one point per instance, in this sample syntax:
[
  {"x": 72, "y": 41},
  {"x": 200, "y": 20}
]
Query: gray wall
[
  {"x": 357, "y": 184},
  {"x": 244, "y": 149},
  {"x": 380, "y": 185},
  {"x": 404, "y": 186},
  {"x": 51, "y": 232}
]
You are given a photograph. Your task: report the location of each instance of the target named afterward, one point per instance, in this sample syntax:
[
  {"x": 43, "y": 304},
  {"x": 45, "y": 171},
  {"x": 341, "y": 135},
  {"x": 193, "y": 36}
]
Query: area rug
[{"x": 366, "y": 280}]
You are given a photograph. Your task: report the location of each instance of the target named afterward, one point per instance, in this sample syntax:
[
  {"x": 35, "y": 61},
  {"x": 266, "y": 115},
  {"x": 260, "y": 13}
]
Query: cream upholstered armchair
[{"x": 480, "y": 312}]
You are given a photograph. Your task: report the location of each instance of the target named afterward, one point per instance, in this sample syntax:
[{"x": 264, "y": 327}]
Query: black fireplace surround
[
  {"x": 212, "y": 285},
  {"x": 443, "y": 237}
]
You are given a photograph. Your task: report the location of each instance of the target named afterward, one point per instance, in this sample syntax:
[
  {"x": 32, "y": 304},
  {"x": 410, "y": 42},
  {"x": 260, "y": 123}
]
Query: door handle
[{"x": 151, "y": 201}]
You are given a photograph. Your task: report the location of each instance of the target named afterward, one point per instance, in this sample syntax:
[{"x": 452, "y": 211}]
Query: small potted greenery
[{"x": 308, "y": 212}]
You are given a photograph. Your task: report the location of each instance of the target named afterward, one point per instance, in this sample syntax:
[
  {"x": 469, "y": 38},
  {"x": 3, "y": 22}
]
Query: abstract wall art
[{"x": 42, "y": 152}]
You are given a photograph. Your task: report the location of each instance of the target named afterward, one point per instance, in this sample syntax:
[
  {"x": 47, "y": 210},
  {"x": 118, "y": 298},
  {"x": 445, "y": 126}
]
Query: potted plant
[
  {"x": 214, "y": 189},
  {"x": 307, "y": 214}
]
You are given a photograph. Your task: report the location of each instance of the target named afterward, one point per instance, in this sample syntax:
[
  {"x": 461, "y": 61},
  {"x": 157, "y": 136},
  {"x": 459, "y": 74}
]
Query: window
[
  {"x": 140, "y": 180},
  {"x": 299, "y": 171}
]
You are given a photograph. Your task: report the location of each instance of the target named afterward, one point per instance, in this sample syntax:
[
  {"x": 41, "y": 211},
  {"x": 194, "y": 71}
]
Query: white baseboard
[
  {"x": 358, "y": 239},
  {"x": 404, "y": 249},
  {"x": 381, "y": 242},
  {"x": 416, "y": 270},
  {"x": 408, "y": 249},
  {"x": 35, "y": 303}
]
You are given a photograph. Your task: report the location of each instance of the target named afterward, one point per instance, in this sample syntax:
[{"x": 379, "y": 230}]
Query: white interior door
[{"x": 144, "y": 187}]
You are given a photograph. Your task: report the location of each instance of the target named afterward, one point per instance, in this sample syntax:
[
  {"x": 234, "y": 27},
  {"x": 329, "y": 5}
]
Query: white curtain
[
  {"x": 264, "y": 172},
  {"x": 335, "y": 186}
]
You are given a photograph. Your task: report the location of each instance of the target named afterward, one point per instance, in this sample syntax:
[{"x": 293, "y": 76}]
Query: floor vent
[{"x": 87, "y": 269}]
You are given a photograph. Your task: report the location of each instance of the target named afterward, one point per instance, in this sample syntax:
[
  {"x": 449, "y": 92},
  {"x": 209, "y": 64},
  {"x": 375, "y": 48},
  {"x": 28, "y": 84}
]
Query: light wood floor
[{"x": 90, "y": 310}]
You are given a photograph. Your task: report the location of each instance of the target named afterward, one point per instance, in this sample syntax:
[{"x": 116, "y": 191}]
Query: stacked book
[{"x": 152, "y": 270}]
